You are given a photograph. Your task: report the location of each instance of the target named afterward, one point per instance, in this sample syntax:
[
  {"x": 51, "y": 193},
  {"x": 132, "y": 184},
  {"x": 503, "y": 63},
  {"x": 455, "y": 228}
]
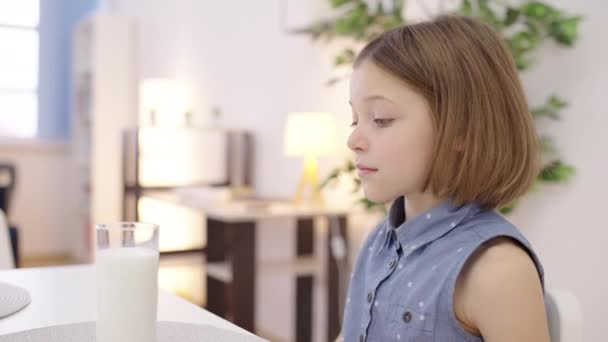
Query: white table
[{"x": 64, "y": 295}]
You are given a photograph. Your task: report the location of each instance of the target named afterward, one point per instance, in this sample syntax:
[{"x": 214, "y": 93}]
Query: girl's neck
[{"x": 417, "y": 203}]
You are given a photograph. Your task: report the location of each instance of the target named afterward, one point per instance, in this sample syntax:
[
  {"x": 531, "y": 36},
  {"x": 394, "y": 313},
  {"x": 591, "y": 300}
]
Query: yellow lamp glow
[{"x": 309, "y": 135}]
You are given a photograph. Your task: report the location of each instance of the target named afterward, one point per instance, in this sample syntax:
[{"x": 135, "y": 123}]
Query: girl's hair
[{"x": 486, "y": 148}]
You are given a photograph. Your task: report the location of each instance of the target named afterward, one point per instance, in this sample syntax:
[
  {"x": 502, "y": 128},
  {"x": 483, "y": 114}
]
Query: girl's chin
[{"x": 377, "y": 196}]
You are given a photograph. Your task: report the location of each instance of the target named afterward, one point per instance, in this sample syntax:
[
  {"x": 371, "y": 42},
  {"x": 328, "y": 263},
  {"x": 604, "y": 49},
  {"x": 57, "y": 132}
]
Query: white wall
[
  {"x": 566, "y": 223},
  {"x": 42, "y": 206},
  {"x": 239, "y": 59}
]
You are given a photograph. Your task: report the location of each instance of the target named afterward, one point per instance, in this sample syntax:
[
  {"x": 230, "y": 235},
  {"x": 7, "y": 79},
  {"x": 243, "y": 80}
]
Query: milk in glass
[{"x": 127, "y": 292}]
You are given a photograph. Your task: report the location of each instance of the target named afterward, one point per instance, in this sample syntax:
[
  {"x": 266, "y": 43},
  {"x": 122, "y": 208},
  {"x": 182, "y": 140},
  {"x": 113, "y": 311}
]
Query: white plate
[{"x": 12, "y": 299}]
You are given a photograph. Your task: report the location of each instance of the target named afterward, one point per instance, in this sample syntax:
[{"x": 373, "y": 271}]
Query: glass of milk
[{"x": 127, "y": 281}]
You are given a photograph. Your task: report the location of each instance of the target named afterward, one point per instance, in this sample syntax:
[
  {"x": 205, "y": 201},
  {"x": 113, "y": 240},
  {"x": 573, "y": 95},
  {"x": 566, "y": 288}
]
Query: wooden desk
[{"x": 232, "y": 266}]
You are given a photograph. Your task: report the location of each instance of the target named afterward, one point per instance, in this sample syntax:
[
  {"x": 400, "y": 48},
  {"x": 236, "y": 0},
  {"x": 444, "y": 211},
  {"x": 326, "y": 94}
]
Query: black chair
[{"x": 8, "y": 180}]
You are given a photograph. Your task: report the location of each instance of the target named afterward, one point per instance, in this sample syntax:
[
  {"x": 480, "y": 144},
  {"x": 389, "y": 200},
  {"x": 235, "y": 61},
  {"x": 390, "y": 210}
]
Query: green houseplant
[{"x": 525, "y": 27}]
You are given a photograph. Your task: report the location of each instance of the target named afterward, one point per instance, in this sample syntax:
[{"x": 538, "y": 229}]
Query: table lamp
[{"x": 309, "y": 135}]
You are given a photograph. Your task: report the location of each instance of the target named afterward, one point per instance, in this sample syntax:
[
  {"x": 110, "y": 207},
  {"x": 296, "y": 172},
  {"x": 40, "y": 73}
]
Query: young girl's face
[{"x": 393, "y": 134}]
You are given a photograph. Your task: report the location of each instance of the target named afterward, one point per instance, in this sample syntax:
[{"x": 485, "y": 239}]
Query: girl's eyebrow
[{"x": 374, "y": 97}]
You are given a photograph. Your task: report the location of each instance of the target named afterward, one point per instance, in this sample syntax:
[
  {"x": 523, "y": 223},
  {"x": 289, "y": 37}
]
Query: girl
[{"x": 442, "y": 129}]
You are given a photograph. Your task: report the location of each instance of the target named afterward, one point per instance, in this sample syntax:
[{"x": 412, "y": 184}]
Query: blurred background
[{"x": 157, "y": 110}]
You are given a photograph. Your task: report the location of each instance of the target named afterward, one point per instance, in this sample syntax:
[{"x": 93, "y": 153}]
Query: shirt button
[
  {"x": 362, "y": 338},
  {"x": 391, "y": 263},
  {"x": 407, "y": 316},
  {"x": 370, "y": 297}
]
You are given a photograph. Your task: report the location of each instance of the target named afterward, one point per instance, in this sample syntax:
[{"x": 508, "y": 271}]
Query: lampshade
[
  {"x": 310, "y": 134},
  {"x": 168, "y": 99}
]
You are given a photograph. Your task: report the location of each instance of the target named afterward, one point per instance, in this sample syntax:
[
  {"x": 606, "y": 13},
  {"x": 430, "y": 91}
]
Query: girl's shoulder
[
  {"x": 487, "y": 225},
  {"x": 491, "y": 236},
  {"x": 500, "y": 273}
]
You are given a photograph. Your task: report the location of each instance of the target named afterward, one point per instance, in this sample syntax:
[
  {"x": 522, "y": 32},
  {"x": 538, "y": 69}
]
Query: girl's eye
[
  {"x": 383, "y": 122},
  {"x": 353, "y": 124}
]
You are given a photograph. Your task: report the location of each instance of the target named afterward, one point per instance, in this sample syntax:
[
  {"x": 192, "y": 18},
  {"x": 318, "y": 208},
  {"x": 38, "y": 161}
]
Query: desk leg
[
  {"x": 217, "y": 294},
  {"x": 304, "y": 284},
  {"x": 234, "y": 243},
  {"x": 243, "y": 273},
  {"x": 335, "y": 298}
]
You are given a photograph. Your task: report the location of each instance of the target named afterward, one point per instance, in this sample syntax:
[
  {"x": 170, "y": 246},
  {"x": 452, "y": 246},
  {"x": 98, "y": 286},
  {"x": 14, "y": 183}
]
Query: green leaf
[
  {"x": 331, "y": 177},
  {"x": 355, "y": 23},
  {"x": 321, "y": 29},
  {"x": 367, "y": 203},
  {"x": 508, "y": 208},
  {"x": 556, "y": 171},
  {"x": 466, "y": 8},
  {"x": 391, "y": 22},
  {"x": 556, "y": 102},
  {"x": 565, "y": 31},
  {"x": 398, "y": 10},
  {"x": 536, "y": 9},
  {"x": 533, "y": 27},
  {"x": 511, "y": 18},
  {"x": 550, "y": 109},
  {"x": 338, "y": 3},
  {"x": 520, "y": 44},
  {"x": 488, "y": 14},
  {"x": 350, "y": 166},
  {"x": 538, "y": 112},
  {"x": 342, "y": 26},
  {"x": 521, "y": 62},
  {"x": 339, "y": 60},
  {"x": 347, "y": 56},
  {"x": 357, "y": 182},
  {"x": 545, "y": 111},
  {"x": 524, "y": 41}
]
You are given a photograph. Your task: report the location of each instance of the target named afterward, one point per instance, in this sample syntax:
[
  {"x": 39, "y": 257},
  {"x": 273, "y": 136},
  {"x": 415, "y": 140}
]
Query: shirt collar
[{"x": 428, "y": 226}]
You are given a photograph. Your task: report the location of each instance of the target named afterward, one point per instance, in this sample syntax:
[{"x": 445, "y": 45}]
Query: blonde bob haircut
[{"x": 486, "y": 147}]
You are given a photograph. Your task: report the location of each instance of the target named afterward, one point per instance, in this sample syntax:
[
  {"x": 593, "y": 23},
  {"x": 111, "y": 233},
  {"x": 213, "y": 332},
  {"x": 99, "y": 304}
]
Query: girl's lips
[{"x": 362, "y": 172}]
